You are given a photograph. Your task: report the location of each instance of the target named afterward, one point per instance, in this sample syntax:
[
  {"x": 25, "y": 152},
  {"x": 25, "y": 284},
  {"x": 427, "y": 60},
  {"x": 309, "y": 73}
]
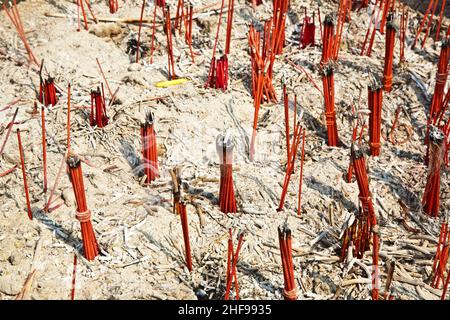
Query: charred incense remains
[
  {"x": 285, "y": 241},
  {"x": 330, "y": 113},
  {"x": 375, "y": 102},
  {"x": 83, "y": 213},
  {"x": 98, "y": 115},
  {"x": 308, "y": 31},
  {"x": 389, "y": 53},
  {"x": 227, "y": 198},
  {"x": 149, "y": 149},
  {"x": 431, "y": 196}
]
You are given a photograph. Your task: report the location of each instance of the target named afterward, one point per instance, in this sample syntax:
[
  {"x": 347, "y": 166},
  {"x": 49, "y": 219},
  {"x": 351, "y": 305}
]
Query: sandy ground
[{"x": 142, "y": 251}]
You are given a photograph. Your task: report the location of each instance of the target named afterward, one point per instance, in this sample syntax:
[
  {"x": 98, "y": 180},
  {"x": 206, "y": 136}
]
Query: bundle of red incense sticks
[
  {"x": 441, "y": 78},
  {"x": 330, "y": 113},
  {"x": 218, "y": 76},
  {"x": 359, "y": 166},
  {"x": 113, "y": 6},
  {"x": 149, "y": 149},
  {"x": 232, "y": 259},
  {"x": 375, "y": 102},
  {"x": 227, "y": 198},
  {"x": 308, "y": 31},
  {"x": 184, "y": 225},
  {"x": 431, "y": 196},
  {"x": 262, "y": 55},
  {"x": 98, "y": 116},
  {"x": 184, "y": 16},
  {"x": 389, "y": 53},
  {"x": 83, "y": 213},
  {"x": 47, "y": 89},
  {"x": 14, "y": 16},
  {"x": 280, "y": 8},
  {"x": 327, "y": 39},
  {"x": 285, "y": 240},
  {"x": 441, "y": 256},
  {"x": 343, "y": 14}
]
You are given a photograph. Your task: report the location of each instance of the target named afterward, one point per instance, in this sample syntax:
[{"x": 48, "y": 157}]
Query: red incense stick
[
  {"x": 227, "y": 199},
  {"x": 24, "y": 175},
  {"x": 285, "y": 241},
  {"x": 184, "y": 225}
]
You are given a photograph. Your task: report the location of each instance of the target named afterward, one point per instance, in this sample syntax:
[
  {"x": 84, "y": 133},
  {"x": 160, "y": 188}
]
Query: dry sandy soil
[{"x": 142, "y": 251}]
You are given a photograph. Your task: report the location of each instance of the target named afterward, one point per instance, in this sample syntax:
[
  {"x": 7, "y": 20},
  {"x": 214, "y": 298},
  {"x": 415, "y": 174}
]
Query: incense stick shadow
[
  {"x": 331, "y": 192},
  {"x": 200, "y": 192},
  {"x": 315, "y": 125},
  {"x": 263, "y": 282},
  {"x": 133, "y": 159},
  {"x": 162, "y": 248},
  {"x": 397, "y": 186},
  {"x": 409, "y": 155},
  {"x": 60, "y": 232}
]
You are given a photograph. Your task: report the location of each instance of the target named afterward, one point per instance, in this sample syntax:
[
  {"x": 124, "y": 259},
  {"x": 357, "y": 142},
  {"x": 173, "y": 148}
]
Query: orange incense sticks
[
  {"x": 402, "y": 33},
  {"x": 359, "y": 166},
  {"x": 389, "y": 53},
  {"x": 425, "y": 17},
  {"x": 184, "y": 225},
  {"x": 431, "y": 196},
  {"x": 98, "y": 115},
  {"x": 280, "y": 8},
  {"x": 441, "y": 78},
  {"x": 168, "y": 30},
  {"x": 441, "y": 256},
  {"x": 83, "y": 213},
  {"x": 229, "y": 26},
  {"x": 44, "y": 147},
  {"x": 24, "y": 175},
  {"x": 227, "y": 199},
  {"x": 285, "y": 240},
  {"x": 330, "y": 114},
  {"x": 149, "y": 149},
  {"x": 139, "y": 32},
  {"x": 375, "y": 102},
  {"x": 14, "y": 16},
  {"x": 232, "y": 271}
]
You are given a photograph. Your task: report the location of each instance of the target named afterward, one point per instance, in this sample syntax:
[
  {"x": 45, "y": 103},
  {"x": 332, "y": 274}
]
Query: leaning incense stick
[
  {"x": 8, "y": 133},
  {"x": 24, "y": 175}
]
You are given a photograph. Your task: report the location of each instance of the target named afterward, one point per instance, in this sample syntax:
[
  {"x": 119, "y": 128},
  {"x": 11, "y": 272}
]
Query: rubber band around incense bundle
[
  {"x": 308, "y": 31},
  {"x": 98, "y": 116},
  {"x": 285, "y": 241},
  {"x": 391, "y": 30},
  {"x": 431, "y": 196},
  {"x": 330, "y": 113},
  {"x": 441, "y": 79},
  {"x": 149, "y": 149},
  {"x": 375, "y": 102},
  {"x": 227, "y": 198},
  {"x": 83, "y": 213},
  {"x": 47, "y": 92}
]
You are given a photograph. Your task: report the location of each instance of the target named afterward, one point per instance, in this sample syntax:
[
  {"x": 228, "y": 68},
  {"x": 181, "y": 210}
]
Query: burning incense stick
[
  {"x": 24, "y": 175},
  {"x": 431, "y": 197},
  {"x": 98, "y": 115},
  {"x": 149, "y": 149},
  {"x": 389, "y": 53},
  {"x": 227, "y": 199},
  {"x": 187, "y": 245},
  {"x": 330, "y": 113},
  {"x": 83, "y": 213},
  {"x": 375, "y": 102},
  {"x": 285, "y": 241}
]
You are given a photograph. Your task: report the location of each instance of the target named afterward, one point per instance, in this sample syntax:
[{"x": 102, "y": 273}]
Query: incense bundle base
[
  {"x": 285, "y": 241},
  {"x": 98, "y": 116}
]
